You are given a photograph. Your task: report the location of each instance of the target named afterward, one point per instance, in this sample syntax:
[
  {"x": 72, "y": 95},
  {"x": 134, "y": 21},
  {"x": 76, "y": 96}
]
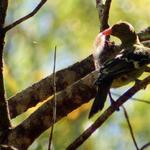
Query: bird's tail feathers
[{"x": 100, "y": 98}]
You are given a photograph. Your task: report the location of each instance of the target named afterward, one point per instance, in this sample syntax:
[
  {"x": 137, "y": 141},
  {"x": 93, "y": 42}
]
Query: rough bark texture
[
  {"x": 44, "y": 88},
  {"x": 67, "y": 101}
]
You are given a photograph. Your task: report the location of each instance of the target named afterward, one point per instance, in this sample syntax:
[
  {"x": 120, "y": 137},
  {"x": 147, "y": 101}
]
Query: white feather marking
[{"x": 98, "y": 47}]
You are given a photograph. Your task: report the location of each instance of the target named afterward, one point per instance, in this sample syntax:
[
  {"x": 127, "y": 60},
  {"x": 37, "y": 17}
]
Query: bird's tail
[{"x": 100, "y": 98}]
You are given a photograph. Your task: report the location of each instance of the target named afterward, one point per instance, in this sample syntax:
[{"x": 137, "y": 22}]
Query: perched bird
[
  {"x": 125, "y": 67},
  {"x": 103, "y": 50}
]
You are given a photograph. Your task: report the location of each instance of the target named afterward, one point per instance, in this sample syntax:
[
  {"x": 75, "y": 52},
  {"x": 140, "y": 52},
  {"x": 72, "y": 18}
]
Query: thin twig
[
  {"x": 55, "y": 102},
  {"x": 145, "y": 146},
  {"x": 31, "y": 14},
  {"x": 133, "y": 98},
  {"x": 130, "y": 127},
  {"x": 107, "y": 113}
]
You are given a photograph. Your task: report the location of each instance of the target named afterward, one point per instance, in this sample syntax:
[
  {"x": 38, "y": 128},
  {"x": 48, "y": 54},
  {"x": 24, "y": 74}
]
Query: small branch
[
  {"x": 130, "y": 127},
  {"x": 135, "y": 99},
  {"x": 106, "y": 114},
  {"x": 31, "y": 14},
  {"x": 54, "y": 104},
  {"x": 145, "y": 146}
]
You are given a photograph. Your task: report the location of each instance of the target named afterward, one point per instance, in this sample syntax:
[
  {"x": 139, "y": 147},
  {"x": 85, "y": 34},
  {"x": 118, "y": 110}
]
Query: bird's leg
[
  {"x": 137, "y": 81},
  {"x": 112, "y": 101}
]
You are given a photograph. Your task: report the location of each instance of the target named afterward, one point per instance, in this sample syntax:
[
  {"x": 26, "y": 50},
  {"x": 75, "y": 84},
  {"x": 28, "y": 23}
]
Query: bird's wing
[{"x": 124, "y": 63}]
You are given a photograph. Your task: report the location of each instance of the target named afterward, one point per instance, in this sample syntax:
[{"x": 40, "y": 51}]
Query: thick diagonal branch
[
  {"x": 68, "y": 100},
  {"x": 44, "y": 88}
]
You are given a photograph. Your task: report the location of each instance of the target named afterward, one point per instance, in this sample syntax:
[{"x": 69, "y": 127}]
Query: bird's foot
[
  {"x": 113, "y": 103},
  {"x": 137, "y": 81}
]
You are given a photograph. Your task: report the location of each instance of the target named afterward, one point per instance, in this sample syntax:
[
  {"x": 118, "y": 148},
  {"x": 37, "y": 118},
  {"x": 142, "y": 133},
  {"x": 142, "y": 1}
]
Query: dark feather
[{"x": 100, "y": 98}]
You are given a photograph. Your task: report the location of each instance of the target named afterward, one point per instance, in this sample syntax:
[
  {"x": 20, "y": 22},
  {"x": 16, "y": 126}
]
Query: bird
[
  {"x": 128, "y": 64},
  {"x": 103, "y": 50}
]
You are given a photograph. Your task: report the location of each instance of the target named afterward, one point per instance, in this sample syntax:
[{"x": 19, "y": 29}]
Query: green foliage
[{"x": 72, "y": 26}]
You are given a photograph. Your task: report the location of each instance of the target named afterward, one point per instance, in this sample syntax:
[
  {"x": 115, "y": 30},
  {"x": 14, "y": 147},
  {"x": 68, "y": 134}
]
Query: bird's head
[{"x": 124, "y": 31}]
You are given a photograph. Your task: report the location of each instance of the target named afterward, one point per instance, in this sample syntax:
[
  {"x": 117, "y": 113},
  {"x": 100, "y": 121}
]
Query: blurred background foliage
[{"x": 72, "y": 26}]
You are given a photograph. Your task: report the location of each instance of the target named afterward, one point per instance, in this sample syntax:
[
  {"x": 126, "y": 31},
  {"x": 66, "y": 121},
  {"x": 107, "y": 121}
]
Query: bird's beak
[{"x": 107, "y": 31}]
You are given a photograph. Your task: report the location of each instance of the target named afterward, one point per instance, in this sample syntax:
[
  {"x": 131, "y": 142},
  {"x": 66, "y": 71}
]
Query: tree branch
[
  {"x": 105, "y": 16},
  {"x": 145, "y": 146},
  {"x": 100, "y": 8},
  {"x": 4, "y": 113},
  {"x": 107, "y": 113},
  {"x": 31, "y": 14},
  {"x": 41, "y": 90},
  {"x": 67, "y": 100},
  {"x": 130, "y": 127},
  {"x": 103, "y": 13},
  {"x": 135, "y": 99}
]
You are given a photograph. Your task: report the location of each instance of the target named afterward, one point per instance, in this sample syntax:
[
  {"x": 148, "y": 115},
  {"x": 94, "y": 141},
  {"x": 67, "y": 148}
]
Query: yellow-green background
[{"x": 72, "y": 25}]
